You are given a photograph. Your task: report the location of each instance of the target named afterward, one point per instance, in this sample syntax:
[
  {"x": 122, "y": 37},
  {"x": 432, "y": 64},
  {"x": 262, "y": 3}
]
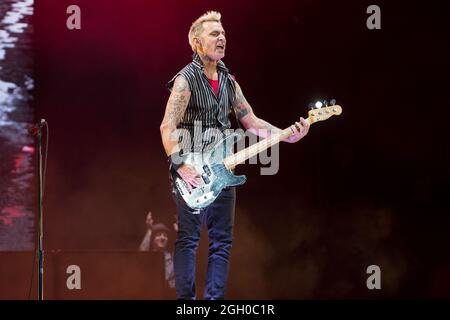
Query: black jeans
[{"x": 219, "y": 218}]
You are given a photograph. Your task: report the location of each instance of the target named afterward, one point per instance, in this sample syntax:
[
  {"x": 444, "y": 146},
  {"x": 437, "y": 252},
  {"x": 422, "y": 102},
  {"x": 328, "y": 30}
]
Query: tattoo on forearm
[
  {"x": 241, "y": 106},
  {"x": 177, "y": 107},
  {"x": 241, "y": 112}
]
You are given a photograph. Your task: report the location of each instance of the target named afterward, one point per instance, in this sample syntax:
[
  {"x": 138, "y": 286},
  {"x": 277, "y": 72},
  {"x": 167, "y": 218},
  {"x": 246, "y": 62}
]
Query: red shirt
[{"x": 215, "y": 85}]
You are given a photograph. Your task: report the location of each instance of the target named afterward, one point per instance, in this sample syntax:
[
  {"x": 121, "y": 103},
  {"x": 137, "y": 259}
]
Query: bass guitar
[{"x": 215, "y": 166}]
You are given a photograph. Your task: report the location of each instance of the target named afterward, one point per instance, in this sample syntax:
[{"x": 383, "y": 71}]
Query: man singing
[{"x": 203, "y": 95}]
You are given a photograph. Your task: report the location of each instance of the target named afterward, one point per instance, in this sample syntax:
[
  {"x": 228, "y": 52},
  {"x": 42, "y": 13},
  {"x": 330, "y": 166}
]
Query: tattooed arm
[
  {"x": 175, "y": 108},
  {"x": 252, "y": 123}
]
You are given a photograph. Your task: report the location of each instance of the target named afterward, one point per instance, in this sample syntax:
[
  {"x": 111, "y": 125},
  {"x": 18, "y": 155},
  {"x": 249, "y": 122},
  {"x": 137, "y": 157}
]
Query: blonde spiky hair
[{"x": 197, "y": 26}]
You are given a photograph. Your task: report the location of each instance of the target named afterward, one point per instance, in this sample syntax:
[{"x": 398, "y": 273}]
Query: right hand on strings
[{"x": 189, "y": 175}]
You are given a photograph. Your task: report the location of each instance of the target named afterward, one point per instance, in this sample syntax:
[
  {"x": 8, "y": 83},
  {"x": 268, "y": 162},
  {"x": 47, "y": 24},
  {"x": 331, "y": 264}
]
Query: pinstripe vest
[{"x": 206, "y": 113}]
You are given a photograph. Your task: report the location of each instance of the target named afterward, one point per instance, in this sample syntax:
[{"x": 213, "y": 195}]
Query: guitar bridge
[{"x": 182, "y": 186}]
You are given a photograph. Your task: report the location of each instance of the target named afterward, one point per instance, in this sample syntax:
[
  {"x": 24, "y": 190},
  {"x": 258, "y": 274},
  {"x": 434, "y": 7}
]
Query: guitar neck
[{"x": 239, "y": 157}]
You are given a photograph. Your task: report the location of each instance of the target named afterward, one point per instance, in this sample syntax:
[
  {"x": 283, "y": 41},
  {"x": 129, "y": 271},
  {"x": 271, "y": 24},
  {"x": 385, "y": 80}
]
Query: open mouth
[{"x": 221, "y": 46}]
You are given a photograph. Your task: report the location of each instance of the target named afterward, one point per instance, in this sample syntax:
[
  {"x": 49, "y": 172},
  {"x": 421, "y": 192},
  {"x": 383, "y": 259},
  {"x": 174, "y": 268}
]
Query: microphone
[{"x": 34, "y": 129}]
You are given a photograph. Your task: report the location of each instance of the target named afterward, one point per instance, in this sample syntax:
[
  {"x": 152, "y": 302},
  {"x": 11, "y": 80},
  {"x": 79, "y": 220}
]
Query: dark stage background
[{"x": 368, "y": 187}]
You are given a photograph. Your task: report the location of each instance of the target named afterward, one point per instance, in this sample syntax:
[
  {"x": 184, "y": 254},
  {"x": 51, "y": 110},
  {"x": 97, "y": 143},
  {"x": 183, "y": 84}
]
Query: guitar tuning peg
[
  {"x": 333, "y": 102},
  {"x": 325, "y": 103},
  {"x": 311, "y": 106}
]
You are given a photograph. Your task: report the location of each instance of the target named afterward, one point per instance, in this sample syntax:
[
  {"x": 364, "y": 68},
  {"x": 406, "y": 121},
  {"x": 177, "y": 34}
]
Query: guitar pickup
[
  {"x": 205, "y": 179},
  {"x": 206, "y": 169}
]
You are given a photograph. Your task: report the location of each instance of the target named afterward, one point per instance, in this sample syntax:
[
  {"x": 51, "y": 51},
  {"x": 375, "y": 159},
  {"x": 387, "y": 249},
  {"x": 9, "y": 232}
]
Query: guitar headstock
[{"x": 322, "y": 112}]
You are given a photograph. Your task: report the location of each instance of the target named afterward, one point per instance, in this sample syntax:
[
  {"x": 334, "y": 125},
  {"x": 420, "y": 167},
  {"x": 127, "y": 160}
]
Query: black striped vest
[{"x": 205, "y": 110}]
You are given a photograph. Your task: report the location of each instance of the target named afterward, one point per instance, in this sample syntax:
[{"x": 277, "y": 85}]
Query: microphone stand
[
  {"x": 37, "y": 131},
  {"x": 41, "y": 220}
]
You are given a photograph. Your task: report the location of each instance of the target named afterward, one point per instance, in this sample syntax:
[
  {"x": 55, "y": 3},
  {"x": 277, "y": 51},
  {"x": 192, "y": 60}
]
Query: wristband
[{"x": 176, "y": 160}]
